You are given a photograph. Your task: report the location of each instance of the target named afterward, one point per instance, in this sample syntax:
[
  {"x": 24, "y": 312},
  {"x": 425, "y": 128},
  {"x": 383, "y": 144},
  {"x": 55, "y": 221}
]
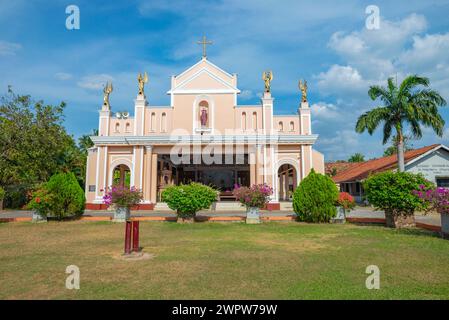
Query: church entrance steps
[
  {"x": 162, "y": 206},
  {"x": 228, "y": 206},
  {"x": 286, "y": 206}
]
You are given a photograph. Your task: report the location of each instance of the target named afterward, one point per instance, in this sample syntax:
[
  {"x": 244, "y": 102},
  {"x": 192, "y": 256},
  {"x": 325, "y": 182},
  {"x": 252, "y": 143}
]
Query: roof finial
[{"x": 204, "y": 42}]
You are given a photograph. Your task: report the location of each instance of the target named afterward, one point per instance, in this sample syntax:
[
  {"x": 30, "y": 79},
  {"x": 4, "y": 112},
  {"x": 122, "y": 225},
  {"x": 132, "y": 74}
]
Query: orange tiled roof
[
  {"x": 339, "y": 166},
  {"x": 361, "y": 170}
]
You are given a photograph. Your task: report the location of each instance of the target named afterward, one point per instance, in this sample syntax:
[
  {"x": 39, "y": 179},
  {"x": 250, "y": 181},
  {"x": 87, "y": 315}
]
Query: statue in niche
[{"x": 204, "y": 115}]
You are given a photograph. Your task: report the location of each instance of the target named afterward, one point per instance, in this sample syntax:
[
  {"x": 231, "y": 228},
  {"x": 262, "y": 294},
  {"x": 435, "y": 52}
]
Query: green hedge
[
  {"x": 188, "y": 199},
  {"x": 315, "y": 197}
]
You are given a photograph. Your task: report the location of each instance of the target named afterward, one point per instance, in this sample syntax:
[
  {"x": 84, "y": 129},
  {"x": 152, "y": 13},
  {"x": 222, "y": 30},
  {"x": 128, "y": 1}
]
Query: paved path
[{"x": 360, "y": 212}]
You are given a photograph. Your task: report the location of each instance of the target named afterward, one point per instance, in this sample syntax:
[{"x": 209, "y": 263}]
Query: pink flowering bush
[
  {"x": 122, "y": 196},
  {"x": 256, "y": 196},
  {"x": 436, "y": 199}
]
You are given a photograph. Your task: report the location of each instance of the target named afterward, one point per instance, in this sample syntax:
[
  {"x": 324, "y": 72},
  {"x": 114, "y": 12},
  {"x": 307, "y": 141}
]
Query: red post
[
  {"x": 128, "y": 237},
  {"x": 136, "y": 236}
]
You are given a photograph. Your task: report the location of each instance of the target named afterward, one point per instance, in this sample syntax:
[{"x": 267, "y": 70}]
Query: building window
[
  {"x": 255, "y": 120},
  {"x": 292, "y": 126},
  {"x": 442, "y": 182},
  {"x": 281, "y": 126},
  {"x": 163, "y": 122},
  {"x": 128, "y": 127},
  {"x": 243, "y": 120},
  {"x": 117, "y": 127},
  {"x": 153, "y": 122}
]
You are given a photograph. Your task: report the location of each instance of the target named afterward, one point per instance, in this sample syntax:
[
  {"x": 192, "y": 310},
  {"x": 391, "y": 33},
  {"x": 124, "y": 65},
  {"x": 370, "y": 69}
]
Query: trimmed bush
[
  {"x": 188, "y": 199},
  {"x": 393, "y": 193},
  {"x": 315, "y": 197},
  {"x": 60, "y": 197}
]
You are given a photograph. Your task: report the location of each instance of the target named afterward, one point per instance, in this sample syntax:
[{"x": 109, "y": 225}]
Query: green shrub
[
  {"x": 315, "y": 197},
  {"x": 393, "y": 192},
  {"x": 60, "y": 197},
  {"x": 188, "y": 199},
  {"x": 2, "y": 193}
]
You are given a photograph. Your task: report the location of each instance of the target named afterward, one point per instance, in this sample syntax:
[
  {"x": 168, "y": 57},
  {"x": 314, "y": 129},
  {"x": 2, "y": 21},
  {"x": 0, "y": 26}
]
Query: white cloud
[
  {"x": 325, "y": 111},
  {"x": 94, "y": 82},
  {"x": 340, "y": 79},
  {"x": 9, "y": 48},
  {"x": 63, "y": 76},
  {"x": 246, "y": 94}
]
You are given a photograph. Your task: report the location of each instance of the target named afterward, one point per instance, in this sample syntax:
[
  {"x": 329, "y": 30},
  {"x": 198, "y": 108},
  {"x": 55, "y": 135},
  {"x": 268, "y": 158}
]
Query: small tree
[
  {"x": 188, "y": 199},
  {"x": 314, "y": 199},
  {"x": 60, "y": 197},
  {"x": 393, "y": 193}
]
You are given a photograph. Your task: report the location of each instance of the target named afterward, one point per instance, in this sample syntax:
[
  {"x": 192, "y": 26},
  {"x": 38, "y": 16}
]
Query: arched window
[
  {"x": 128, "y": 127},
  {"x": 243, "y": 120},
  {"x": 153, "y": 122},
  {"x": 117, "y": 127},
  {"x": 292, "y": 126},
  {"x": 163, "y": 122},
  {"x": 255, "y": 120},
  {"x": 281, "y": 126}
]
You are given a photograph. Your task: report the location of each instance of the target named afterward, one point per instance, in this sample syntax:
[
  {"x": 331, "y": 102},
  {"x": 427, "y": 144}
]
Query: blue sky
[{"x": 325, "y": 42}]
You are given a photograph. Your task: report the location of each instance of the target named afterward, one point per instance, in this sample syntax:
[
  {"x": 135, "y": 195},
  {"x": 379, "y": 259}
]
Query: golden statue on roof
[
  {"x": 267, "y": 77},
  {"x": 106, "y": 92},
  {"x": 303, "y": 87},
  {"x": 142, "y": 80}
]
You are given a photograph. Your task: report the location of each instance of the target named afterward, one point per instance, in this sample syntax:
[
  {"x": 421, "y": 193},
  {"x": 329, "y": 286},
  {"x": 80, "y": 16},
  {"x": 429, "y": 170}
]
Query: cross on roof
[{"x": 204, "y": 42}]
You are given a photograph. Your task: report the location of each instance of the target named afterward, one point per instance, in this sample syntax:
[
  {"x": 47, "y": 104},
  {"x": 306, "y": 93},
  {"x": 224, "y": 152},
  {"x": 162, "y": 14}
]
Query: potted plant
[
  {"x": 188, "y": 199},
  {"x": 345, "y": 203},
  {"x": 254, "y": 198},
  {"x": 122, "y": 198},
  {"x": 437, "y": 199},
  {"x": 2, "y": 196}
]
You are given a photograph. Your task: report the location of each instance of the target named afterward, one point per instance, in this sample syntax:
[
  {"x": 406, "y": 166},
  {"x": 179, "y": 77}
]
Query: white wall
[{"x": 432, "y": 166}]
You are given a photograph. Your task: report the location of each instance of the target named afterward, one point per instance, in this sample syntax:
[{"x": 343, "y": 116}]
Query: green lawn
[{"x": 222, "y": 261}]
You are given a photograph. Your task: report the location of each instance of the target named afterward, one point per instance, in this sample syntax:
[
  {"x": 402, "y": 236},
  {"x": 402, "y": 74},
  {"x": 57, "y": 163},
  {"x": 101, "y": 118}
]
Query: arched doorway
[
  {"x": 287, "y": 182},
  {"x": 121, "y": 176}
]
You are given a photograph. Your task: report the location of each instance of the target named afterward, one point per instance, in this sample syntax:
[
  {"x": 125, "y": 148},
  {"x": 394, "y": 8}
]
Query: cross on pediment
[{"x": 204, "y": 43}]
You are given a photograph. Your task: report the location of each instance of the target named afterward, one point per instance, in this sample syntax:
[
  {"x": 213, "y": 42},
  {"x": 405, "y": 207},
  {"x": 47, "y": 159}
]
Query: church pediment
[{"x": 204, "y": 77}]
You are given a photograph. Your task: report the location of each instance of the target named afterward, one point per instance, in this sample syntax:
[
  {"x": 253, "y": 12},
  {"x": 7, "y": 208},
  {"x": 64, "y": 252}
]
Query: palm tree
[
  {"x": 403, "y": 105},
  {"x": 356, "y": 157},
  {"x": 84, "y": 142}
]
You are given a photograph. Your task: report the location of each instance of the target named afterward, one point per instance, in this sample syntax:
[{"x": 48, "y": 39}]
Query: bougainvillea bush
[
  {"x": 257, "y": 195},
  {"x": 188, "y": 199},
  {"x": 436, "y": 198},
  {"x": 120, "y": 196},
  {"x": 346, "y": 201},
  {"x": 393, "y": 193},
  {"x": 314, "y": 199}
]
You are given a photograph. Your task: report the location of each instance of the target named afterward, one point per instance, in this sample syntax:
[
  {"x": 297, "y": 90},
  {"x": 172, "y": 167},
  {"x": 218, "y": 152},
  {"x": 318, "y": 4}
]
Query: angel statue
[
  {"x": 303, "y": 87},
  {"x": 267, "y": 77},
  {"x": 142, "y": 80},
  {"x": 107, "y": 91}
]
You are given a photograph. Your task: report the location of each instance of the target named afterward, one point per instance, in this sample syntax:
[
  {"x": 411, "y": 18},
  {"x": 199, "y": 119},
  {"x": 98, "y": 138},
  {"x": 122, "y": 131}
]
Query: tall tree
[
  {"x": 33, "y": 143},
  {"x": 402, "y": 106},
  {"x": 356, "y": 157}
]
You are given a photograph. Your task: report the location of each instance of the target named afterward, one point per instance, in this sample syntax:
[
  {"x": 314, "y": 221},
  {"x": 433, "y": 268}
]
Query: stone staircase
[
  {"x": 162, "y": 206},
  {"x": 228, "y": 206},
  {"x": 286, "y": 206}
]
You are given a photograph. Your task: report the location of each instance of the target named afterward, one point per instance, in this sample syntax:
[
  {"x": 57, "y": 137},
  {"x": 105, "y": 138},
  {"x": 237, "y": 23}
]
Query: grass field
[{"x": 222, "y": 261}]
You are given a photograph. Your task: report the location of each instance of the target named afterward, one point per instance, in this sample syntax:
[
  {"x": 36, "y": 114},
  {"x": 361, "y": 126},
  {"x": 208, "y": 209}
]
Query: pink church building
[{"x": 204, "y": 135}]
